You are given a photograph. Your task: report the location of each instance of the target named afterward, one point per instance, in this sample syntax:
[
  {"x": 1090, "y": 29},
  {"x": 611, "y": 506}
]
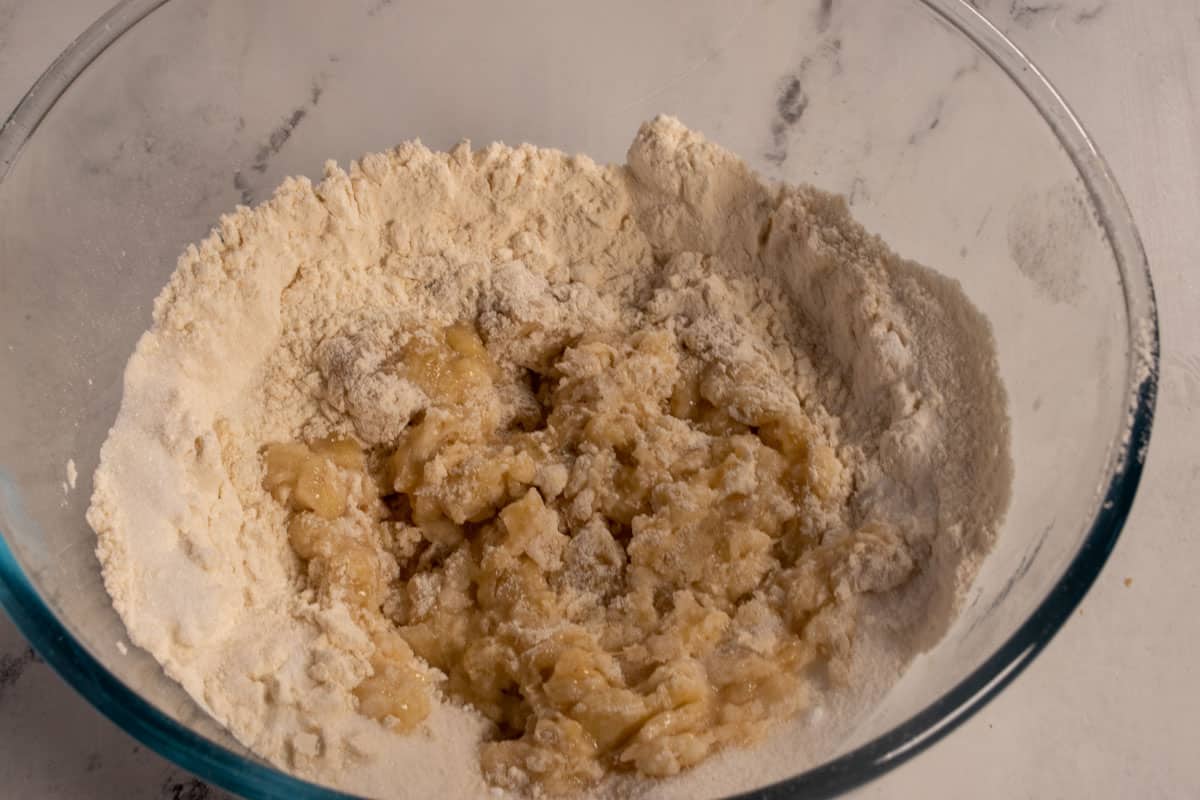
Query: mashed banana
[{"x": 619, "y": 573}]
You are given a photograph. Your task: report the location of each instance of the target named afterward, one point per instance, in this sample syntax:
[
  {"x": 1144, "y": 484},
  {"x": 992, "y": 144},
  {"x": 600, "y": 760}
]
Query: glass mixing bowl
[{"x": 946, "y": 141}]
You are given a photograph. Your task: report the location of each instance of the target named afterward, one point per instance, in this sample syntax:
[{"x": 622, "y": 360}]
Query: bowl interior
[{"x": 203, "y": 105}]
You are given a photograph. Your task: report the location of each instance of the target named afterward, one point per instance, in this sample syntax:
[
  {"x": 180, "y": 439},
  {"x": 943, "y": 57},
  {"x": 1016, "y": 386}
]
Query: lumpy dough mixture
[
  {"x": 583, "y": 473},
  {"x": 613, "y": 552}
]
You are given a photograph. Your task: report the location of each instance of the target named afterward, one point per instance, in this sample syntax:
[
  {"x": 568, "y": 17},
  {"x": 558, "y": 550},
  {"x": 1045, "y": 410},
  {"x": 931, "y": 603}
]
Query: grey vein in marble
[
  {"x": 790, "y": 106},
  {"x": 13, "y": 667},
  {"x": 377, "y": 6},
  {"x": 1032, "y": 14},
  {"x": 275, "y": 141},
  {"x": 178, "y": 787},
  {"x": 824, "y": 15},
  {"x": 1026, "y": 13},
  {"x": 1090, "y": 14}
]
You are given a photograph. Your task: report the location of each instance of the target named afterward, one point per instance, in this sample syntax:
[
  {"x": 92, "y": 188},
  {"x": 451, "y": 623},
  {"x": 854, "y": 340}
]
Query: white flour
[{"x": 888, "y": 357}]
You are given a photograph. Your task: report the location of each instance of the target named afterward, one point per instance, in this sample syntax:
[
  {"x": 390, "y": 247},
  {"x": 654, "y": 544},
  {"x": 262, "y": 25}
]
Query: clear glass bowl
[{"x": 946, "y": 140}]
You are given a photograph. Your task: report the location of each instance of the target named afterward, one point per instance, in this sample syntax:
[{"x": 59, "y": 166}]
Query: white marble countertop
[{"x": 1109, "y": 709}]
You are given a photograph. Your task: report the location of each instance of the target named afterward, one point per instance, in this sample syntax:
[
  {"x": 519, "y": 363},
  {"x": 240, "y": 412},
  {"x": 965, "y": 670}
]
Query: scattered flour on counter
[{"x": 283, "y": 326}]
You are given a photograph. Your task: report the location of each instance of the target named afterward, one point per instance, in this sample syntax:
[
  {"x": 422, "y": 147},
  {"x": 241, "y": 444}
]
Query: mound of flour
[{"x": 889, "y": 356}]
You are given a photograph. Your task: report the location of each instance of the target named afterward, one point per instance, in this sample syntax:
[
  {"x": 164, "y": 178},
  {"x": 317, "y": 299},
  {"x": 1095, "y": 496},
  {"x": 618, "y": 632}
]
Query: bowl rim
[{"x": 251, "y": 777}]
